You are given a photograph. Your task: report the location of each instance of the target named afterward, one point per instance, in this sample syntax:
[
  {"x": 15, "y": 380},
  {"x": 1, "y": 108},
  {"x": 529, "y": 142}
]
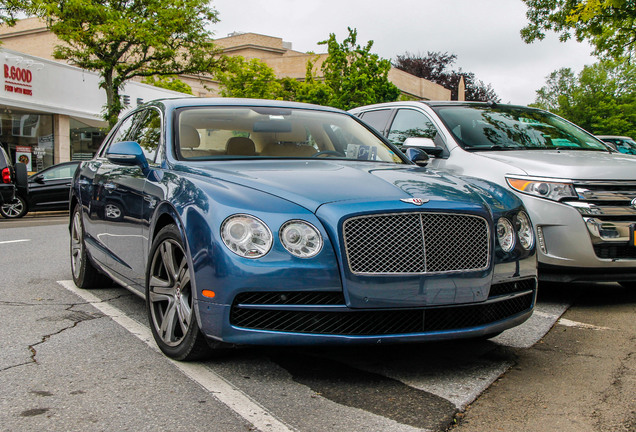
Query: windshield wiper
[{"x": 494, "y": 147}]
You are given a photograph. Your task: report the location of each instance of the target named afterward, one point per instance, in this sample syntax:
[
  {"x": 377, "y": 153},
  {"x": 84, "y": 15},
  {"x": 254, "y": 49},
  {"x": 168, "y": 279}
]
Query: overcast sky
[{"x": 483, "y": 33}]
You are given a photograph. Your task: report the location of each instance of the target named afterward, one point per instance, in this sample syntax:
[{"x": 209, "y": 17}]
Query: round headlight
[
  {"x": 246, "y": 236},
  {"x": 505, "y": 234},
  {"x": 524, "y": 230},
  {"x": 301, "y": 238}
]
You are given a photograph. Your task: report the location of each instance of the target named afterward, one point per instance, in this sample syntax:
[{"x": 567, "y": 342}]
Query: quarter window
[
  {"x": 377, "y": 119},
  {"x": 410, "y": 123}
]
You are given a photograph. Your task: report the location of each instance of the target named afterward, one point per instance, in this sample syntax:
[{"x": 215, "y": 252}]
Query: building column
[{"x": 61, "y": 138}]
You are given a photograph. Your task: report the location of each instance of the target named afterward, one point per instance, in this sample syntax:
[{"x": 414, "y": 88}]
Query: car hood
[
  {"x": 569, "y": 164},
  {"x": 314, "y": 183}
]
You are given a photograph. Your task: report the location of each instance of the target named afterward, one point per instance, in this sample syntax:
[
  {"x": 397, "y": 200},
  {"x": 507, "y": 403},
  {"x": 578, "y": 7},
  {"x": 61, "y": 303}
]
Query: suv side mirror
[
  {"x": 417, "y": 156},
  {"x": 426, "y": 144},
  {"x": 127, "y": 153}
]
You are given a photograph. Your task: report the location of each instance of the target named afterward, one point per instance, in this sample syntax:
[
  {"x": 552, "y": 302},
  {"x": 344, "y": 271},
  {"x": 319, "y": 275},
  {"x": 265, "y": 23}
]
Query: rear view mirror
[
  {"x": 416, "y": 156},
  {"x": 127, "y": 153},
  {"x": 425, "y": 144}
]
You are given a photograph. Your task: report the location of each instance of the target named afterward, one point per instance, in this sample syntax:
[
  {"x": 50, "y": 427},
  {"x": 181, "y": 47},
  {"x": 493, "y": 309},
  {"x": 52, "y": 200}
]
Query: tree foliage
[
  {"x": 610, "y": 25},
  {"x": 353, "y": 75},
  {"x": 248, "y": 79},
  {"x": 601, "y": 99},
  {"x": 123, "y": 39},
  {"x": 350, "y": 76},
  {"x": 436, "y": 67},
  {"x": 9, "y": 9},
  {"x": 169, "y": 82}
]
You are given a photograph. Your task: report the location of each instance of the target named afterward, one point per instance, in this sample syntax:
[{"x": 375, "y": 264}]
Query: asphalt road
[{"x": 76, "y": 360}]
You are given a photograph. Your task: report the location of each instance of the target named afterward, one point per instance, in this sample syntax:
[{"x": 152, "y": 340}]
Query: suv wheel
[{"x": 16, "y": 209}]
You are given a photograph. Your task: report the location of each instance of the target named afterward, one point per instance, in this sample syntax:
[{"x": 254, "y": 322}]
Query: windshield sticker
[{"x": 361, "y": 152}]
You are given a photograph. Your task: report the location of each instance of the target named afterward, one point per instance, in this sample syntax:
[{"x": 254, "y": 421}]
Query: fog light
[{"x": 541, "y": 240}]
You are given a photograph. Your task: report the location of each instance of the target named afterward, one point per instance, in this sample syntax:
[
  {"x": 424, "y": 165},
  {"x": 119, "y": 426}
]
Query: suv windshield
[
  {"x": 513, "y": 128},
  {"x": 212, "y": 133}
]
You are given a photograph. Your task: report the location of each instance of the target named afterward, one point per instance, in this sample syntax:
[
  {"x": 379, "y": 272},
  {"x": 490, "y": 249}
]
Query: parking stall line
[
  {"x": 15, "y": 241},
  {"x": 220, "y": 388}
]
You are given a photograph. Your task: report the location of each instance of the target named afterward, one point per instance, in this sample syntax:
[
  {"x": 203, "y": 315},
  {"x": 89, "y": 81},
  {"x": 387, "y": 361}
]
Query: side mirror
[
  {"x": 426, "y": 144},
  {"x": 39, "y": 178},
  {"x": 417, "y": 156},
  {"x": 127, "y": 153}
]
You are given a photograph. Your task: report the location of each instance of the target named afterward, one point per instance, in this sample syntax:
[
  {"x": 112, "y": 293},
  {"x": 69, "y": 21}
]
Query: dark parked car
[
  {"x": 47, "y": 190},
  {"x": 12, "y": 178},
  {"x": 622, "y": 144},
  {"x": 267, "y": 222}
]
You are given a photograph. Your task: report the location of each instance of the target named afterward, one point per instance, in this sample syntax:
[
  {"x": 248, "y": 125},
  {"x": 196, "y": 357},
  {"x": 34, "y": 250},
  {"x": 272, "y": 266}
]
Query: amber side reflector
[{"x": 208, "y": 293}]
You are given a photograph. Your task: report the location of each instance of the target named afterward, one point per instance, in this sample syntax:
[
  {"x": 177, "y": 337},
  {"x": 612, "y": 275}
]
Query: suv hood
[
  {"x": 314, "y": 183},
  {"x": 568, "y": 164}
]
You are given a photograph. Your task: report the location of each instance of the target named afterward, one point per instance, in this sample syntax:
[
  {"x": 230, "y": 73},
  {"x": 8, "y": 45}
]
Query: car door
[
  {"x": 49, "y": 189},
  {"x": 99, "y": 197},
  {"x": 123, "y": 200}
]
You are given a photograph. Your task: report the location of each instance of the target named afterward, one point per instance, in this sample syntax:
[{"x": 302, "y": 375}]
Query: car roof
[
  {"x": 613, "y": 137},
  {"x": 174, "y": 103},
  {"x": 441, "y": 104}
]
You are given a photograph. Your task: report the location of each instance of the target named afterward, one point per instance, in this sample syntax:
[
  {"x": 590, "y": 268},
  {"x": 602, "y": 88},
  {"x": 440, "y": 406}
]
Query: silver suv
[{"x": 581, "y": 195}]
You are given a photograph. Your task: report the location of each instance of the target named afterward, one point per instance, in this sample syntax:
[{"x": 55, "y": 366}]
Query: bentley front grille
[{"x": 416, "y": 243}]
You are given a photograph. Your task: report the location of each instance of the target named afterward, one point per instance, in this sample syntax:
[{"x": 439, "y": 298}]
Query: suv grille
[
  {"x": 407, "y": 243},
  {"x": 611, "y": 199}
]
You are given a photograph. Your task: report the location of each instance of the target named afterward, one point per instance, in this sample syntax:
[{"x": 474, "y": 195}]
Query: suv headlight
[
  {"x": 301, "y": 238},
  {"x": 543, "y": 188},
  {"x": 524, "y": 230},
  {"x": 246, "y": 236}
]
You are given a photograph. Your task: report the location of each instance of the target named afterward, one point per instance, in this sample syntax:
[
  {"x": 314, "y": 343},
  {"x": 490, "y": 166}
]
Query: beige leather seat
[
  {"x": 288, "y": 150},
  {"x": 240, "y": 146},
  {"x": 189, "y": 140}
]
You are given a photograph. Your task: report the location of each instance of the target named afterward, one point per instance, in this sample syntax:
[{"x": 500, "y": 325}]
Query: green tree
[
  {"x": 601, "y": 99},
  {"x": 131, "y": 38},
  {"x": 9, "y": 9},
  {"x": 169, "y": 82},
  {"x": 610, "y": 25},
  {"x": 354, "y": 76},
  {"x": 248, "y": 79}
]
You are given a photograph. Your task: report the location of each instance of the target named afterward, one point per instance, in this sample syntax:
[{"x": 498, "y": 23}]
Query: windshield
[
  {"x": 212, "y": 133},
  {"x": 513, "y": 128}
]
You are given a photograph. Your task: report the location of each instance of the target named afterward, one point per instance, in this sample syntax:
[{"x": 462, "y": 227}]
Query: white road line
[
  {"x": 221, "y": 389},
  {"x": 15, "y": 241},
  {"x": 569, "y": 323}
]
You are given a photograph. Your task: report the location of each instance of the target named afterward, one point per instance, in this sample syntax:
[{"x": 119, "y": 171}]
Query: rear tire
[
  {"x": 85, "y": 274},
  {"x": 170, "y": 299},
  {"x": 14, "y": 210}
]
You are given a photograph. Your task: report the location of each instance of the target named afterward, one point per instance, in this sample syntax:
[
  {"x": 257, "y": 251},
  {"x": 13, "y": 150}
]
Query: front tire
[
  {"x": 170, "y": 299},
  {"x": 14, "y": 210},
  {"x": 85, "y": 274}
]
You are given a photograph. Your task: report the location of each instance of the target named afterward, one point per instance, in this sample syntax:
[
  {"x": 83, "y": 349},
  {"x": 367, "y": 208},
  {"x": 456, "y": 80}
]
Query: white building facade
[{"x": 51, "y": 112}]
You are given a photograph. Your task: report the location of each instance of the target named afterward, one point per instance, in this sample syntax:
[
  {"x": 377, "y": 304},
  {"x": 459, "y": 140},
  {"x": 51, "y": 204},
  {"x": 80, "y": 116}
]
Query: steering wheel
[{"x": 328, "y": 153}]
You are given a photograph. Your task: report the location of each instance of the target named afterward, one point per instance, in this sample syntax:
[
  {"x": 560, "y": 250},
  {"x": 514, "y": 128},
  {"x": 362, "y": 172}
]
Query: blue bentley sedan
[{"x": 268, "y": 222}]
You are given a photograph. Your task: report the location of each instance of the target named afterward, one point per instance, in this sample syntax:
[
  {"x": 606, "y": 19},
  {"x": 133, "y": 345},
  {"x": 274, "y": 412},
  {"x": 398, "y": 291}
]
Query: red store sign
[{"x": 18, "y": 80}]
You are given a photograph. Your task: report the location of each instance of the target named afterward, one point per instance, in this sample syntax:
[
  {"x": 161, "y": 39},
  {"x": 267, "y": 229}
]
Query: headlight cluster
[
  {"x": 249, "y": 237},
  {"x": 543, "y": 188},
  {"x": 522, "y": 227}
]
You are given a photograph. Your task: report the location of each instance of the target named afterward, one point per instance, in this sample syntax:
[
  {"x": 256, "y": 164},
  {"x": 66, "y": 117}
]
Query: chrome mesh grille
[{"x": 407, "y": 243}]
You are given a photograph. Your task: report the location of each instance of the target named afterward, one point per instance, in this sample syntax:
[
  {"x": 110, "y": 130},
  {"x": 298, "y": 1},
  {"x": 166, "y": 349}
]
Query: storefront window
[
  {"x": 85, "y": 140},
  {"x": 28, "y": 137}
]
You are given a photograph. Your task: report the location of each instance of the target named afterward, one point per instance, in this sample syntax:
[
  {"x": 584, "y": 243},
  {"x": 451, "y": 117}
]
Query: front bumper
[
  {"x": 301, "y": 318},
  {"x": 573, "y": 247}
]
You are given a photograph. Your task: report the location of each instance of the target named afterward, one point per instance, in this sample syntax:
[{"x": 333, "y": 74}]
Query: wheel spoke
[
  {"x": 168, "y": 323},
  {"x": 167, "y": 257}
]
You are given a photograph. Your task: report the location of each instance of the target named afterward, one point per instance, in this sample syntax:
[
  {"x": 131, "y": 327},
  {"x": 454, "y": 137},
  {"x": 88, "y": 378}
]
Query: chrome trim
[{"x": 607, "y": 231}]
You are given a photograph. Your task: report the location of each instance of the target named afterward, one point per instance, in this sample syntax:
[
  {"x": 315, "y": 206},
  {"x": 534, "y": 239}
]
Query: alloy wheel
[{"x": 170, "y": 294}]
